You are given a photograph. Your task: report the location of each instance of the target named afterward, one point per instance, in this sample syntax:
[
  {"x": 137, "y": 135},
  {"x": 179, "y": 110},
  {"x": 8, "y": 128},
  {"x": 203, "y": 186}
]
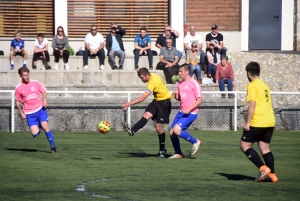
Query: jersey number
[{"x": 266, "y": 95}]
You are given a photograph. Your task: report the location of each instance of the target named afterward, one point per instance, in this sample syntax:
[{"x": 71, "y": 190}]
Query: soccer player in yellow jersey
[
  {"x": 259, "y": 125},
  {"x": 158, "y": 110}
]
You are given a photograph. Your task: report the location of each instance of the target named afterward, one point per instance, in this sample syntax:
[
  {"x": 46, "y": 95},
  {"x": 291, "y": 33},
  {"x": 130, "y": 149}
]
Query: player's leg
[
  {"x": 175, "y": 138},
  {"x": 247, "y": 140},
  {"x": 33, "y": 124},
  {"x": 43, "y": 119},
  {"x": 264, "y": 146},
  {"x": 161, "y": 139}
]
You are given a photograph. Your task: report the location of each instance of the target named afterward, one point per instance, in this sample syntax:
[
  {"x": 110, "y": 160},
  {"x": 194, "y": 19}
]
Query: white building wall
[{"x": 61, "y": 14}]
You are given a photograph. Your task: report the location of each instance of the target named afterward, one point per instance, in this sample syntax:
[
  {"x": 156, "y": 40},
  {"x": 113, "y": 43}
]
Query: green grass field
[{"x": 118, "y": 167}]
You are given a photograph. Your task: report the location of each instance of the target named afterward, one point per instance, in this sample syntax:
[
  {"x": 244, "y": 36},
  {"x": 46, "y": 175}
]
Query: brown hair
[
  {"x": 63, "y": 31},
  {"x": 22, "y": 70},
  {"x": 143, "y": 71}
]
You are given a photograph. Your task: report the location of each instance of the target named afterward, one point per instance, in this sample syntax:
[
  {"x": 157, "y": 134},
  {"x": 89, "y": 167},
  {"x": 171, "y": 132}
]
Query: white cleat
[{"x": 196, "y": 147}]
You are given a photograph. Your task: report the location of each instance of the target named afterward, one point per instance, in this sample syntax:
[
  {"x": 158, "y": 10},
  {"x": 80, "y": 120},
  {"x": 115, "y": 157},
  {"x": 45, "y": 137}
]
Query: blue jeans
[
  {"x": 222, "y": 83},
  {"x": 197, "y": 71},
  {"x": 137, "y": 57},
  {"x": 211, "y": 69},
  {"x": 179, "y": 55}
]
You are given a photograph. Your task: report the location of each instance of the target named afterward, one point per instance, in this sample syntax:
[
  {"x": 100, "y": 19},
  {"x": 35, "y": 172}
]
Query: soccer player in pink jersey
[
  {"x": 190, "y": 96},
  {"x": 34, "y": 109}
]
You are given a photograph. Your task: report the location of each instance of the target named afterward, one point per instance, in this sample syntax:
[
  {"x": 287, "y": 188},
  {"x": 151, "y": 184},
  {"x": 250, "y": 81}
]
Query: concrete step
[{"x": 76, "y": 63}]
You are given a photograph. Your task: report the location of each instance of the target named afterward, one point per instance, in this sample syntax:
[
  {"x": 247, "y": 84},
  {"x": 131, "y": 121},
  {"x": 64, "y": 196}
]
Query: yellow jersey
[
  {"x": 259, "y": 92},
  {"x": 158, "y": 88}
]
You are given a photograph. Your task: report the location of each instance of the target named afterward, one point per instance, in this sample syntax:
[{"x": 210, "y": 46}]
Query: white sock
[{"x": 11, "y": 62}]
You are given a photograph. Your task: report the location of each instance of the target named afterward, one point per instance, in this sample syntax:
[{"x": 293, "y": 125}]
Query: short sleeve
[
  {"x": 221, "y": 38},
  {"x": 12, "y": 43},
  {"x": 251, "y": 93},
  {"x": 207, "y": 38},
  {"x": 101, "y": 38},
  {"x": 18, "y": 96},
  {"x": 148, "y": 39},
  {"x": 86, "y": 38},
  {"x": 186, "y": 39},
  {"x": 36, "y": 43},
  {"x": 199, "y": 39},
  {"x": 42, "y": 88},
  {"x": 162, "y": 51},
  {"x": 158, "y": 40},
  {"x": 136, "y": 39}
]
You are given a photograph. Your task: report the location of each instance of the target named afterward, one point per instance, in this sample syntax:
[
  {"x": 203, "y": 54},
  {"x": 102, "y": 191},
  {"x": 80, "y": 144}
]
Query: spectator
[
  {"x": 41, "y": 50},
  {"x": 17, "y": 48},
  {"x": 168, "y": 33},
  {"x": 142, "y": 45},
  {"x": 216, "y": 38},
  {"x": 213, "y": 58},
  {"x": 60, "y": 46},
  {"x": 168, "y": 60},
  {"x": 193, "y": 37},
  {"x": 224, "y": 75},
  {"x": 94, "y": 45},
  {"x": 193, "y": 58},
  {"x": 114, "y": 45}
]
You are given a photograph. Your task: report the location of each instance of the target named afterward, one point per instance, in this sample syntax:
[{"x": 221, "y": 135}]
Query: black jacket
[{"x": 119, "y": 35}]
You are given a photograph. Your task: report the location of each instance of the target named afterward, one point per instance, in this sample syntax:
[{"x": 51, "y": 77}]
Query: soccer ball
[{"x": 104, "y": 127}]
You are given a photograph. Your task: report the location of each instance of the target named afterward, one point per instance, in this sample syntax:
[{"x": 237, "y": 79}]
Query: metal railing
[{"x": 82, "y": 110}]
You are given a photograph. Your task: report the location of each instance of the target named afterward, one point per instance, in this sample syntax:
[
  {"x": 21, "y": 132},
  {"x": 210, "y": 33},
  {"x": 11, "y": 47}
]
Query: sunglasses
[
  {"x": 94, "y": 29},
  {"x": 59, "y": 31},
  {"x": 168, "y": 42},
  {"x": 194, "y": 46}
]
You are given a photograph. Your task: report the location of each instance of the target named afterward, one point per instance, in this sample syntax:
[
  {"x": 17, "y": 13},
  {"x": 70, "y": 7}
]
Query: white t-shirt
[
  {"x": 41, "y": 45},
  {"x": 190, "y": 39},
  {"x": 94, "y": 41},
  {"x": 212, "y": 57}
]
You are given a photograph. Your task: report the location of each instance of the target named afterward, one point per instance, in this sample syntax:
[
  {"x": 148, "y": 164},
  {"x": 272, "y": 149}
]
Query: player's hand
[
  {"x": 247, "y": 126},
  {"x": 23, "y": 115},
  {"x": 125, "y": 106},
  {"x": 45, "y": 103},
  {"x": 175, "y": 94}
]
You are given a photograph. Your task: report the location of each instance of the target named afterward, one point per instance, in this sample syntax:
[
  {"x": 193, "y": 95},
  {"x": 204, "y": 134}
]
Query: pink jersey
[
  {"x": 189, "y": 92},
  {"x": 29, "y": 95}
]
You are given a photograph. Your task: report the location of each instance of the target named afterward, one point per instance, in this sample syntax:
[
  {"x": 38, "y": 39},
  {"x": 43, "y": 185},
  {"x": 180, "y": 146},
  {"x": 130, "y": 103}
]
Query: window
[
  {"x": 130, "y": 14},
  {"x": 31, "y": 17}
]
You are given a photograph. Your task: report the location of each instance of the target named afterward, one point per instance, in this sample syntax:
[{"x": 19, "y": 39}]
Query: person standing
[
  {"x": 60, "y": 46},
  {"x": 34, "y": 109},
  {"x": 114, "y": 45},
  {"x": 190, "y": 96},
  {"x": 158, "y": 110},
  {"x": 259, "y": 124},
  {"x": 17, "y": 48},
  {"x": 94, "y": 45}
]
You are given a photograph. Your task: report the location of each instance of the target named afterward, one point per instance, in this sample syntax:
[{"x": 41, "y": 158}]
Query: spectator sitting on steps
[
  {"x": 225, "y": 75},
  {"x": 94, "y": 45},
  {"x": 114, "y": 45},
  {"x": 142, "y": 46},
  {"x": 168, "y": 60},
  {"x": 17, "y": 48},
  {"x": 213, "y": 58},
  {"x": 41, "y": 51},
  {"x": 60, "y": 46},
  {"x": 216, "y": 38},
  {"x": 193, "y": 57}
]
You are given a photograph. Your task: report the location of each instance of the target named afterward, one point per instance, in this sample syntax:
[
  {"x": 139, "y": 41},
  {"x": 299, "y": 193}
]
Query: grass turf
[{"x": 127, "y": 168}]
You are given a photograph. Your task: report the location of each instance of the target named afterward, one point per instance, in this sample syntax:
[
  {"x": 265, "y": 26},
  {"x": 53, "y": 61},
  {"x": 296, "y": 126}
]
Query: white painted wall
[
  {"x": 245, "y": 26},
  {"x": 176, "y": 13},
  {"x": 61, "y": 14}
]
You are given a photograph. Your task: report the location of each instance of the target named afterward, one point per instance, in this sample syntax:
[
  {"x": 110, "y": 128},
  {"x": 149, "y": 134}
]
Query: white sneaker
[
  {"x": 67, "y": 67},
  {"x": 102, "y": 67},
  {"x": 195, "y": 147},
  {"x": 56, "y": 66},
  {"x": 85, "y": 67}
]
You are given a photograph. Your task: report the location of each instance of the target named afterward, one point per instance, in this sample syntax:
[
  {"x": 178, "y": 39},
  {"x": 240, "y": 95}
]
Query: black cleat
[
  {"x": 53, "y": 150},
  {"x": 128, "y": 130},
  {"x": 162, "y": 154}
]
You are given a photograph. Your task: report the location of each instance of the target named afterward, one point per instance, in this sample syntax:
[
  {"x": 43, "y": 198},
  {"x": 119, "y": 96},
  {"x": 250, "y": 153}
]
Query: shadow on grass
[
  {"x": 236, "y": 176},
  {"x": 26, "y": 150},
  {"x": 138, "y": 155}
]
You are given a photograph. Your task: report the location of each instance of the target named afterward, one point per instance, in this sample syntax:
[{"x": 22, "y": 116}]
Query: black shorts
[
  {"x": 256, "y": 134},
  {"x": 19, "y": 54},
  {"x": 160, "y": 110}
]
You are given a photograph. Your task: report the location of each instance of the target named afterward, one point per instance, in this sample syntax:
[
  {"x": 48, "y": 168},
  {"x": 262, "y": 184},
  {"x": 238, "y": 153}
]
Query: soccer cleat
[
  {"x": 176, "y": 156},
  {"x": 196, "y": 147},
  {"x": 85, "y": 67},
  {"x": 12, "y": 66},
  {"x": 101, "y": 67},
  {"x": 162, "y": 154},
  {"x": 272, "y": 178},
  {"x": 128, "y": 130},
  {"x": 263, "y": 172},
  {"x": 53, "y": 150}
]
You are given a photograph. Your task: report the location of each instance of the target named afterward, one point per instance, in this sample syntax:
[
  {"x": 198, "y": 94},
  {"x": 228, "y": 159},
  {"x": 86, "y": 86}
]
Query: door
[{"x": 265, "y": 24}]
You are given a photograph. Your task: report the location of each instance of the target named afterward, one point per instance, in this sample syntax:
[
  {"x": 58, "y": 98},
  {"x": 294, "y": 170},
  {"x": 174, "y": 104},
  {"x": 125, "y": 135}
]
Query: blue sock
[
  {"x": 50, "y": 138},
  {"x": 176, "y": 145},
  {"x": 185, "y": 135}
]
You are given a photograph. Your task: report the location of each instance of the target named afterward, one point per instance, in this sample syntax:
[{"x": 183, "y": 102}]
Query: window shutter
[
  {"x": 30, "y": 17},
  {"x": 203, "y": 14},
  {"x": 130, "y": 14}
]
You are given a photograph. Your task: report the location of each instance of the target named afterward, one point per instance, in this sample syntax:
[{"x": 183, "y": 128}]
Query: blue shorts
[
  {"x": 35, "y": 119},
  {"x": 184, "y": 120}
]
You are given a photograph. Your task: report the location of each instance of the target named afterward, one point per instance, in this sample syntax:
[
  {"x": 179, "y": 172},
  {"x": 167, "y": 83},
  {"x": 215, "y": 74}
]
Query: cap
[{"x": 214, "y": 26}]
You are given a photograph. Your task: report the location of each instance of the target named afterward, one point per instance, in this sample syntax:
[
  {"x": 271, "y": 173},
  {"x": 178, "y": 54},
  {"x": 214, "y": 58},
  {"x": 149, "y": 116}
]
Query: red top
[{"x": 224, "y": 72}]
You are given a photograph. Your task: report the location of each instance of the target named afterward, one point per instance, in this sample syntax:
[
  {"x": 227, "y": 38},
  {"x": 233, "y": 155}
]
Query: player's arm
[
  {"x": 251, "y": 109},
  {"x": 193, "y": 106},
  {"x": 135, "y": 101},
  {"x": 18, "y": 104},
  {"x": 45, "y": 103}
]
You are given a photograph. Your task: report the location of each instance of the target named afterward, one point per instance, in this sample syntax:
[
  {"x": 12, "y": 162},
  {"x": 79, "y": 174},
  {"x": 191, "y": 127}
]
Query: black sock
[
  {"x": 269, "y": 160},
  {"x": 140, "y": 124},
  {"x": 254, "y": 157},
  {"x": 162, "y": 139}
]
